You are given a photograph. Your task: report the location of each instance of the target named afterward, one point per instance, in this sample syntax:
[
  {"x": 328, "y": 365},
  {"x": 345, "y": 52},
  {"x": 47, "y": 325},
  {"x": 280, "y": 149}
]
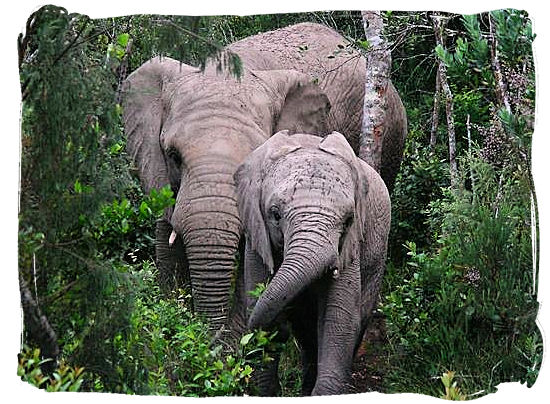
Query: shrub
[
  {"x": 167, "y": 350},
  {"x": 65, "y": 378},
  {"x": 125, "y": 227},
  {"x": 420, "y": 180},
  {"x": 471, "y": 304}
]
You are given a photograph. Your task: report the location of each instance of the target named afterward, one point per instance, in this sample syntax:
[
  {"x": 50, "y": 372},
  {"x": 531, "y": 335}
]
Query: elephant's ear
[
  {"x": 249, "y": 178},
  {"x": 144, "y": 112},
  {"x": 336, "y": 144},
  {"x": 300, "y": 105}
]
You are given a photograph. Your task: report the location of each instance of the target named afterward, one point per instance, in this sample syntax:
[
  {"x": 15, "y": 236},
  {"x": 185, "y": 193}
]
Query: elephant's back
[
  {"x": 322, "y": 53},
  {"x": 292, "y": 47},
  {"x": 310, "y": 48}
]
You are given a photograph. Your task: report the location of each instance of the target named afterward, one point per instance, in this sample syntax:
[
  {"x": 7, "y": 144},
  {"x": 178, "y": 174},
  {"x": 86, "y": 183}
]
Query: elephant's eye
[
  {"x": 174, "y": 155},
  {"x": 274, "y": 210},
  {"x": 348, "y": 222}
]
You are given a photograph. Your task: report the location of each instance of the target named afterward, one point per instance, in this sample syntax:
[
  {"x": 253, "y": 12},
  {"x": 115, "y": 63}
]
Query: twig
[
  {"x": 501, "y": 92},
  {"x": 53, "y": 297},
  {"x": 64, "y": 52},
  {"x": 218, "y": 47},
  {"x": 356, "y": 56},
  {"x": 468, "y": 131}
]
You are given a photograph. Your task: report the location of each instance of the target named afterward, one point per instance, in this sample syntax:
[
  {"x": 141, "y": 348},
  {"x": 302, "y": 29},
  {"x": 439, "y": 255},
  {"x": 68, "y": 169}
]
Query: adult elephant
[
  {"x": 316, "y": 220},
  {"x": 191, "y": 130},
  {"x": 340, "y": 70}
]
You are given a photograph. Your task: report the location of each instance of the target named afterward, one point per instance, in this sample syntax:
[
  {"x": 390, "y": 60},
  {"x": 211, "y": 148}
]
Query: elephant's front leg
[
  {"x": 173, "y": 271},
  {"x": 265, "y": 377},
  {"x": 303, "y": 317},
  {"x": 339, "y": 327}
]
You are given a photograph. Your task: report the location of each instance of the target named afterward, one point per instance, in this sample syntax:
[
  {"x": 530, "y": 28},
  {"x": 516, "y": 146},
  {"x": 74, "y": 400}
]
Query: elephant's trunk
[
  {"x": 211, "y": 269},
  {"x": 208, "y": 222},
  {"x": 304, "y": 263}
]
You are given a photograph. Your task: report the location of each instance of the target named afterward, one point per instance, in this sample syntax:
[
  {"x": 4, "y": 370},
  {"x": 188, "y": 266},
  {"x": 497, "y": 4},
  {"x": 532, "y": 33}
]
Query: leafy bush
[
  {"x": 124, "y": 229},
  {"x": 471, "y": 304},
  {"x": 420, "y": 181},
  {"x": 167, "y": 350},
  {"x": 177, "y": 351},
  {"x": 65, "y": 378}
]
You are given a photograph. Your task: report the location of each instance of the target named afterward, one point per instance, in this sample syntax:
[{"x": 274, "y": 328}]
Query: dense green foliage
[
  {"x": 459, "y": 297},
  {"x": 460, "y": 291},
  {"x": 65, "y": 378}
]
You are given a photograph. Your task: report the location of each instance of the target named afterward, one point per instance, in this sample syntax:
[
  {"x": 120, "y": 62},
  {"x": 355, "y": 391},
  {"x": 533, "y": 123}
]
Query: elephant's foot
[
  {"x": 331, "y": 384},
  {"x": 265, "y": 379}
]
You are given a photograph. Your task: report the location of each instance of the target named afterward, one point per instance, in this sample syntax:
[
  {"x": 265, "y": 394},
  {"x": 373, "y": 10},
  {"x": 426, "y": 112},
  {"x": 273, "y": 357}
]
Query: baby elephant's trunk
[{"x": 303, "y": 264}]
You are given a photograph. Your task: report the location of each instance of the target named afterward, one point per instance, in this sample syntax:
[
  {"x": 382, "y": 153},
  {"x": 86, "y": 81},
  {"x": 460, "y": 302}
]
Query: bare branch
[
  {"x": 501, "y": 88},
  {"x": 435, "y": 113}
]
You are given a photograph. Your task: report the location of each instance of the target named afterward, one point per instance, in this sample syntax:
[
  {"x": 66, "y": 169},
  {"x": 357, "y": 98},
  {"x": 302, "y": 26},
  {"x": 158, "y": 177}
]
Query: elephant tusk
[
  {"x": 335, "y": 274},
  {"x": 172, "y": 238}
]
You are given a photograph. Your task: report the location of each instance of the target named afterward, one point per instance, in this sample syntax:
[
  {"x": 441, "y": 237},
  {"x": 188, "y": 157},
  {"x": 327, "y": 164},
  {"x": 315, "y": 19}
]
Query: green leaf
[
  {"x": 125, "y": 226},
  {"x": 123, "y": 39},
  {"x": 77, "y": 187},
  {"x": 442, "y": 54},
  {"x": 364, "y": 44},
  {"x": 144, "y": 209},
  {"x": 246, "y": 338},
  {"x": 247, "y": 371},
  {"x": 115, "y": 149}
]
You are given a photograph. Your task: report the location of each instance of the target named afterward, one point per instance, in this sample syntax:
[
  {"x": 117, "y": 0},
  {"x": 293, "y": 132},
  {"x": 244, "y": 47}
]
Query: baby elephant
[{"x": 316, "y": 220}]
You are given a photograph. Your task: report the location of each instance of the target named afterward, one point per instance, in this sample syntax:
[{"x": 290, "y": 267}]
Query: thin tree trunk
[
  {"x": 469, "y": 132},
  {"x": 376, "y": 84},
  {"x": 501, "y": 88},
  {"x": 37, "y": 326},
  {"x": 435, "y": 113},
  {"x": 439, "y": 24}
]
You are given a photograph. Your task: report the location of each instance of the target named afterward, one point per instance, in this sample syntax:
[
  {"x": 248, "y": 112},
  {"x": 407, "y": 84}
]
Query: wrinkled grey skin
[
  {"x": 316, "y": 220},
  {"x": 191, "y": 131},
  {"x": 305, "y": 47}
]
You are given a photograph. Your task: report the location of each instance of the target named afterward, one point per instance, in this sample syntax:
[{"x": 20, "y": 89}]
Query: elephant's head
[
  {"x": 303, "y": 196},
  {"x": 191, "y": 130}
]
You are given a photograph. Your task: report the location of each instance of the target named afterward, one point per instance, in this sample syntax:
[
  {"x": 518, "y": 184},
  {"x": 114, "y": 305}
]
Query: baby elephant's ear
[
  {"x": 277, "y": 146},
  {"x": 336, "y": 144},
  {"x": 248, "y": 179}
]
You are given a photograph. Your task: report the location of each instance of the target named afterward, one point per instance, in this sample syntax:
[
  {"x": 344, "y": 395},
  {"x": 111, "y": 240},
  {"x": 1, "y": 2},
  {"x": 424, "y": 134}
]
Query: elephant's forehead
[
  {"x": 314, "y": 164},
  {"x": 312, "y": 175}
]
